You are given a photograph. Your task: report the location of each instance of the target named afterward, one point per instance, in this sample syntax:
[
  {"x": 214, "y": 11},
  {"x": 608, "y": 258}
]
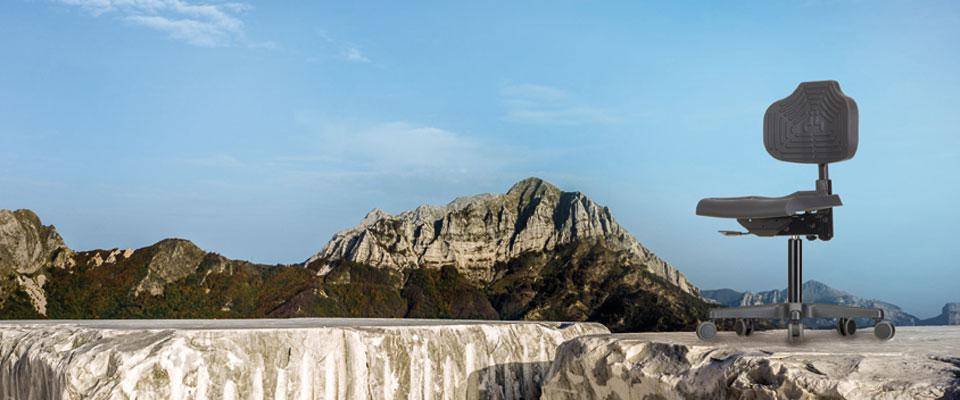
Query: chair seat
[{"x": 766, "y": 207}]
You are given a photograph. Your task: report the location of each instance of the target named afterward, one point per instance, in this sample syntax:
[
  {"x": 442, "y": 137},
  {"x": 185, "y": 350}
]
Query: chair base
[
  {"x": 795, "y": 310},
  {"x": 794, "y": 313},
  {"x": 786, "y": 311}
]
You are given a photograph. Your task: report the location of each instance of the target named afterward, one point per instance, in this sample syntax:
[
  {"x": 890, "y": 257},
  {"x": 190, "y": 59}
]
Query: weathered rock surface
[
  {"x": 26, "y": 248},
  {"x": 813, "y": 292},
  {"x": 279, "y": 359},
  {"x": 476, "y": 233},
  {"x": 919, "y": 363},
  {"x": 173, "y": 259},
  {"x": 949, "y": 316}
]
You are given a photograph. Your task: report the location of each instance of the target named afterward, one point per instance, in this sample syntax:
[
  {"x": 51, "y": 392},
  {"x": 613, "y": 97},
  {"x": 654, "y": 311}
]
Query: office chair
[{"x": 816, "y": 124}]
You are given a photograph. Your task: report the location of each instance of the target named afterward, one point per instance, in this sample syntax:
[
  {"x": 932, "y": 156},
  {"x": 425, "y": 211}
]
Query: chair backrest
[{"x": 817, "y": 124}]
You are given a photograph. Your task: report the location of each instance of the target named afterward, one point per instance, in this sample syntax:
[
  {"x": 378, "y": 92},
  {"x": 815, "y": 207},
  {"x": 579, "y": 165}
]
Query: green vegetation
[
  {"x": 17, "y": 306},
  {"x": 445, "y": 293},
  {"x": 586, "y": 281},
  {"x": 219, "y": 288},
  {"x": 363, "y": 291},
  {"x": 95, "y": 292}
]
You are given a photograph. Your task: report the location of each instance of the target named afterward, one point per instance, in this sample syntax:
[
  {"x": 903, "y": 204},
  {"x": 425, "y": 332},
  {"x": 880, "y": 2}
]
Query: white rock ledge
[
  {"x": 311, "y": 358},
  {"x": 919, "y": 363}
]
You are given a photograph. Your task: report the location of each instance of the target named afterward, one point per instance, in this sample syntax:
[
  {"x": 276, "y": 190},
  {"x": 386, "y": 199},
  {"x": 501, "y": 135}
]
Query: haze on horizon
[{"x": 258, "y": 129}]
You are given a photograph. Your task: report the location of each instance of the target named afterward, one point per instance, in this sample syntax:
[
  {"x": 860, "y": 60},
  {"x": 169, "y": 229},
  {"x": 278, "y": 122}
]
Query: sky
[{"x": 259, "y": 129}]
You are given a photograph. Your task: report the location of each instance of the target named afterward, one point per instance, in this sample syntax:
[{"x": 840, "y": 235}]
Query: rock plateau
[
  {"x": 279, "y": 359},
  {"x": 919, "y": 363}
]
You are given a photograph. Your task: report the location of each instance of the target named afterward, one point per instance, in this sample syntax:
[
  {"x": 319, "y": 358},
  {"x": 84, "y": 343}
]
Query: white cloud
[
  {"x": 546, "y": 105},
  {"x": 354, "y": 54},
  {"x": 206, "y": 25}
]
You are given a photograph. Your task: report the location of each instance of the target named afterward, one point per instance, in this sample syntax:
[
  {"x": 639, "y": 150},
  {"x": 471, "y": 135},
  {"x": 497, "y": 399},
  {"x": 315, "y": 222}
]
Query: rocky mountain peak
[
  {"x": 533, "y": 187},
  {"x": 475, "y": 233},
  {"x": 374, "y": 215},
  {"x": 26, "y": 248},
  {"x": 26, "y": 245},
  {"x": 172, "y": 260}
]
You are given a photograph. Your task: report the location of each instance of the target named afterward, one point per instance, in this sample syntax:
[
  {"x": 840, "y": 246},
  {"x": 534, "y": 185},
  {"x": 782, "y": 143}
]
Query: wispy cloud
[
  {"x": 540, "y": 104},
  {"x": 214, "y": 161},
  {"x": 206, "y": 25},
  {"x": 333, "y": 153},
  {"x": 343, "y": 50},
  {"x": 367, "y": 156},
  {"x": 400, "y": 148},
  {"x": 354, "y": 54}
]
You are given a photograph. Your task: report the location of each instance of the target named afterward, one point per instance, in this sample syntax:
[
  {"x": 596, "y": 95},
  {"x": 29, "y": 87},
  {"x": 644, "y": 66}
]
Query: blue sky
[{"x": 258, "y": 129}]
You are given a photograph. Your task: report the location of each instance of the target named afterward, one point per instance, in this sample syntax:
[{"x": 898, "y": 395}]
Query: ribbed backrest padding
[{"x": 817, "y": 124}]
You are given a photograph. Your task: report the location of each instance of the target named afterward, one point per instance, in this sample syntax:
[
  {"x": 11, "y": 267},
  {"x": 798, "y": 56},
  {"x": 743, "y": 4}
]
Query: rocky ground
[
  {"x": 279, "y": 359},
  {"x": 919, "y": 363}
]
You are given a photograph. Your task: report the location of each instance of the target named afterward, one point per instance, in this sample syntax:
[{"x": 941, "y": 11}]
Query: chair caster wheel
[
  {"x": 846, "y": 327},
  {"x": 795, "y": 331},
  {"x": 743, "y": 327},
  {"x": 884, "y": 330},
  {"x": 706, "y": 330}
]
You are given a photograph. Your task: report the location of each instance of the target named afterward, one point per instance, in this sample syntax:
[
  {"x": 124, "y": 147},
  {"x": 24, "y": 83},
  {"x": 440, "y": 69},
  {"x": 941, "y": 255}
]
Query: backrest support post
[{"x": 823, "y": 183}]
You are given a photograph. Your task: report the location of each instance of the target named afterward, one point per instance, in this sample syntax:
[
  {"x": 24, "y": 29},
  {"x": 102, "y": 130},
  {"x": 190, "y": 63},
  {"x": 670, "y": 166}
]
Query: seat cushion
[{"x": 766, "y": 207}]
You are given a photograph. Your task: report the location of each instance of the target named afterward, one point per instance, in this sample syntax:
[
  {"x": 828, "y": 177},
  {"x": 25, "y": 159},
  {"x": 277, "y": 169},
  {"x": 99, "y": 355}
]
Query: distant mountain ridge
[
  {"x": 533, "y": 253},
  {"x": 950, "y": 315},
  {"x": 818, "y": 292}
]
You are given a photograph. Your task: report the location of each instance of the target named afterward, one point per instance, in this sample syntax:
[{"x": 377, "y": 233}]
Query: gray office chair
[{"x": 817, "y": 124}]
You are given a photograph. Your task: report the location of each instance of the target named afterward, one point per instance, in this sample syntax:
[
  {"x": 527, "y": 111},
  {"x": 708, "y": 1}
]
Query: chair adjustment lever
[{"x": 733, "y": 233}]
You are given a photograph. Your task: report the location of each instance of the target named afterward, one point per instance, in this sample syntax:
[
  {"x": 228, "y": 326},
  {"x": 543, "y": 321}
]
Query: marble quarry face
[{"x": 315, "y": 358}]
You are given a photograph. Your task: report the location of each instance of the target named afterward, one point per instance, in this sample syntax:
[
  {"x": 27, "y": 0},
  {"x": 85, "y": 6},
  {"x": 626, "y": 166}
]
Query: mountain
[
  {"x": 477, "y": 233},
  {"x": 949, "y": 316},
  {"x": 813, "y": 292},
  {"x": 41, "y": 277},
  {"x": 533, "y": 253},
  {"x": 173, "y": 278}
]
